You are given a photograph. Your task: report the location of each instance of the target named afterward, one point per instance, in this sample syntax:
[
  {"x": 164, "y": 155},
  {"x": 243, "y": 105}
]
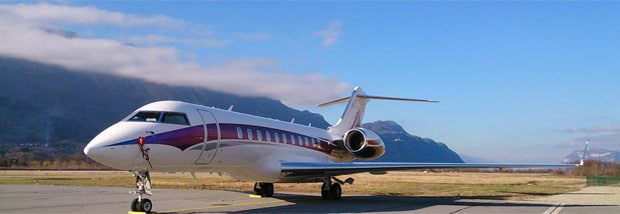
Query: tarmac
[{"x": 67, "y": 199}]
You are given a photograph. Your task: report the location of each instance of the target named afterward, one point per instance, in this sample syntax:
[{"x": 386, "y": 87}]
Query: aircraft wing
[{"x": 303, "y": 169}]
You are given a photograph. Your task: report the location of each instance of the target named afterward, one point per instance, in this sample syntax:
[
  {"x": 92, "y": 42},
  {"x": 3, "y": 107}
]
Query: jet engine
[{"x": 363, "y": 144}]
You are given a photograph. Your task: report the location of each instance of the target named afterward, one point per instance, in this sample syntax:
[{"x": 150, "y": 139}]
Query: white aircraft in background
[{"x": 173, "y": 136}]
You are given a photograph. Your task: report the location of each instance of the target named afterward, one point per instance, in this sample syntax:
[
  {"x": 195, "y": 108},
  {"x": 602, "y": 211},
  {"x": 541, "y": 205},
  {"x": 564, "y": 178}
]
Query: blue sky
[{"x": 517, "y": 81}]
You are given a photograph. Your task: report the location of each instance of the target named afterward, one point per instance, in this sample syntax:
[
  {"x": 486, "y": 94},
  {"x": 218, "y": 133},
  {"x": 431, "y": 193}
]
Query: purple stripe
[{"x": 188, "y": 137}]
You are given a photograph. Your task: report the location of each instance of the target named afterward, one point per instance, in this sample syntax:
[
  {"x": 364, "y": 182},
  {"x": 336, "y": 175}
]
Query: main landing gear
[
  {"x": 263, "y": 189},
  {"x": 143, "y": 187},
  {"x": 329, "y": 191},
  {"x": 333, "y": 191}
]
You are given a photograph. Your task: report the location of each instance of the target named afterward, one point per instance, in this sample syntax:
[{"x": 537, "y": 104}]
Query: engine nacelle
[{"x": 363, "y": 144}]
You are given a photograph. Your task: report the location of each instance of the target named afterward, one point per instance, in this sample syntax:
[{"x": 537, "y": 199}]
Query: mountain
[
  {"x": 404, "y": 147},
  {"x": 46, "y": 104},
  {"x": 49, "y": 110},
  {"x": 603, "y": 155}
]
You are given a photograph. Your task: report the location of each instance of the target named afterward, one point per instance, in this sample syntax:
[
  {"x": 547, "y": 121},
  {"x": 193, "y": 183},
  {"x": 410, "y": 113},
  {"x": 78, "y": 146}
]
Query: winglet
[{"x": 585, "y": 149}]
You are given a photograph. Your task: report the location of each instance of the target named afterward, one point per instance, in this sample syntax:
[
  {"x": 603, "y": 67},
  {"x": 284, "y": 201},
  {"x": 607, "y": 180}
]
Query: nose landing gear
[{"x": 143, "y": 187}]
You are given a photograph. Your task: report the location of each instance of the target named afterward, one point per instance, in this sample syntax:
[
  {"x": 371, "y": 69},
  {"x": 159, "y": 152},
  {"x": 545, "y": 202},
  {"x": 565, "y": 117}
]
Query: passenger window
[
  {"x": 249, "y": 134},
  {"x": 268, "y": 136},
  {"x": 292, "y": 139},
  {"x": 306, "y": 141},
  {"x": 239, "y": 133},
  {"x": 284, "y": 138},
  {"x": 175, "y": 118},
  {"x": 259, "y": 135},
  {"x": 277, "y": 137},
  {"x": 146, "y": 116}
]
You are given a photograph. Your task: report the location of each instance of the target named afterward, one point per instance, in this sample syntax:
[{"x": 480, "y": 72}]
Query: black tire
[
  {"x": 267, "y": 189},
  {"x": 324, "y": 193},
  {"x": 335, "y": 192},
  {"x": 257, "y": 189},
  {"x": 134, "y": 205},
  {"x": 146, "y": 205}
]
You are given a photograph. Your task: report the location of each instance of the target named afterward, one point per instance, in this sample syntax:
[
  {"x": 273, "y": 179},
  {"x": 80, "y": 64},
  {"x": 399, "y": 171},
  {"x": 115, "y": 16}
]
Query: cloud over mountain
[{"x": 24, "y": 35}]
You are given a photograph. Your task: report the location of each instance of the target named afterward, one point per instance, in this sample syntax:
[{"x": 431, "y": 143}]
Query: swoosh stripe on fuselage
[{"x": 188, "y": 137}]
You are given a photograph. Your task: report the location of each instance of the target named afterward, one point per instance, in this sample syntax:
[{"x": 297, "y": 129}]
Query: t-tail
[
  {"x": 354, "y": 112},
  {"x": 585, "y": 150}
]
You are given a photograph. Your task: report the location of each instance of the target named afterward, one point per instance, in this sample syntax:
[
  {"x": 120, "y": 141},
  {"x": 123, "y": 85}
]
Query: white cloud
[
  {"x": 596, "y": 129},
  {"x": 45, "y": 13},
  {"x": 607, "y": 141},
  {"x": 331, "y": 34},
  {"x": 251, "y": 76},
  {"x": 604, "y": 136},
  {"x": 153, "y": 40},
  {"x": 252, "y": 36}
]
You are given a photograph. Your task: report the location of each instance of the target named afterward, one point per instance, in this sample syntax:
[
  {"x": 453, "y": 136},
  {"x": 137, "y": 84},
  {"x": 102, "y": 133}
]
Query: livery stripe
[{"x": 192, "y": 136}]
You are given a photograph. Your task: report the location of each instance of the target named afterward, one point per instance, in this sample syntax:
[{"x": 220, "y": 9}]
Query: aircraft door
[{"x": 212, "y": 137}]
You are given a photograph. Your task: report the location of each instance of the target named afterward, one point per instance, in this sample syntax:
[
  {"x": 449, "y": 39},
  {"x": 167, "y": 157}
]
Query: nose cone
[
  {"x": 88, "y": 148},
  {"x": 117, "y": 146},
  {"x": 108, "y": 147},
  {"x": 95, "y": 149}
]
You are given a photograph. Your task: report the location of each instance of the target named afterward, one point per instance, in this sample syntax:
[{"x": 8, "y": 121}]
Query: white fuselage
[{"x": 183, "y": 137}]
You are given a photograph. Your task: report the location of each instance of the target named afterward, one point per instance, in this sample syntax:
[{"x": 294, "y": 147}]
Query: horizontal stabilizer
[
  {"x": 354, "y": 112},
  {"x": 345, "y": 99}
]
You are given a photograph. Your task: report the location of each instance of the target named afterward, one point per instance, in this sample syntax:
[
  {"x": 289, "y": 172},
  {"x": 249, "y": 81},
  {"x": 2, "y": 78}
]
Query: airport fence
[{"x": 603, "y": 180}]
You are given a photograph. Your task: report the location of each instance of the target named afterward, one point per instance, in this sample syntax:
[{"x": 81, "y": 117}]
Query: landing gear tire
[
  {"x": 141, "y": 206},
  {"x": 324, "y": 192},
  {"x": 263, "y": 189},
  {"x": 267, "y": 189},
  {"x": 335, "y": 192},
  {"x": 331, "y": 191},
  {"x": 134, "y": 205},
  {"x": 143, "y": 187},
  {"x": 146, "y": 205}
]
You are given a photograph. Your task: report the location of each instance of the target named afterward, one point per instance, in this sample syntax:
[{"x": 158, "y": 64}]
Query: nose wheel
[
  {"x": 141, "y": 206},
  {"x": 143, "y": 187}
]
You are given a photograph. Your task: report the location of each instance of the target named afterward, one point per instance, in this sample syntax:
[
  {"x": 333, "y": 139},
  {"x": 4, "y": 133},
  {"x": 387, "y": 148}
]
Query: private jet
[{"x": 173, "y": 136}]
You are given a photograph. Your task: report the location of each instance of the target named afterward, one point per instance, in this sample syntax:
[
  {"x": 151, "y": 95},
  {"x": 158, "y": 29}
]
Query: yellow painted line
[
  {"x": 255, "y": 196},
  {"x": 221, "y": 206}
]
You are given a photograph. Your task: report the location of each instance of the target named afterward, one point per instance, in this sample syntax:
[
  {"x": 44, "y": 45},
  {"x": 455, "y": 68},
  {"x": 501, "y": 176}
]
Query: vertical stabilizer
[
  {"x": 354, "y": 112},
  {"x": 352, "y": 115}
]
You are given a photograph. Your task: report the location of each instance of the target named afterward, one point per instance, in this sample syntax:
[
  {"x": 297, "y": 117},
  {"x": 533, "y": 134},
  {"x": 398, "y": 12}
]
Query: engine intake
[{"x": 364, "y": 144}]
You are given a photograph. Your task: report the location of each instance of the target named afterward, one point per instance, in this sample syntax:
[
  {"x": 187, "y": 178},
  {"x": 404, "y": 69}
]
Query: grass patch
[{"x": 467, "y": 185}]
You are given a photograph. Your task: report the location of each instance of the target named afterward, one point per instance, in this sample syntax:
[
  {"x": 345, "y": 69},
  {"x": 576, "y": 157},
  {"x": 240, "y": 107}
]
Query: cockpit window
[
  {"x": 175, "y": 118},
  {"x": 161, "y": 117},
  {"x": 147, "y": 116}
]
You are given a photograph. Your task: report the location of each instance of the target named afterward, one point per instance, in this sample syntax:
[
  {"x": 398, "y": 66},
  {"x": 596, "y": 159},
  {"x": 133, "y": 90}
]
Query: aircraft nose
[
  {"x": 98, "y": 149},
  {"x": 92, "y": 149},
  {"x": 87, "y": 149}
]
